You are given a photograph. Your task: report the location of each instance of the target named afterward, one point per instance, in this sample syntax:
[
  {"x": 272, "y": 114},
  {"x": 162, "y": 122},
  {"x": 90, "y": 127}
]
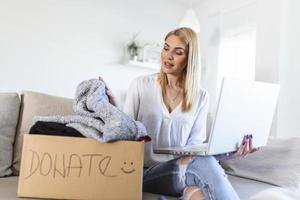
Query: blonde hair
[{"x": 190, "y": 79}]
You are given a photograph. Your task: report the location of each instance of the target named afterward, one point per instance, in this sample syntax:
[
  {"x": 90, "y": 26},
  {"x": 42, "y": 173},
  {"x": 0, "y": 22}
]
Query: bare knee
[
  {"x": 193, "y": 193},
  {"x": 190, "y": 192},
  {"x": 185, "y": 160}
]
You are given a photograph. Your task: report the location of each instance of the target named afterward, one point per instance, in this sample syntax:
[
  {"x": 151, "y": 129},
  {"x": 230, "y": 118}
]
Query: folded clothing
[
  {"x": 53, "y": 128},
  {"x": 96, "y": 117},
  {"x": 58, "y": 129}
]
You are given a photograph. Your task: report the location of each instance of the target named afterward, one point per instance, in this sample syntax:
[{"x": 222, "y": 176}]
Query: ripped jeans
[{"x": 170, "y": 178}]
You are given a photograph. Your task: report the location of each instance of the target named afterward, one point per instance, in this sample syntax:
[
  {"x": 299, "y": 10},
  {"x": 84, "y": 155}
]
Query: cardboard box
[{"x": 80, "y": 168}]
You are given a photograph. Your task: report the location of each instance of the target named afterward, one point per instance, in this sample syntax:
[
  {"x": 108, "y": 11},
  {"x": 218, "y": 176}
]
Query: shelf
[{"x": 145, "y": 64}]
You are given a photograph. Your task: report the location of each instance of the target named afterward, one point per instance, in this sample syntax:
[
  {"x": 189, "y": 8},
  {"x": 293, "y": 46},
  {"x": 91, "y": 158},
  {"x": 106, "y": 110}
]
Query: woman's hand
[
  {"x": 109, "y": 93},
  {"x": 245, "y": 148}
]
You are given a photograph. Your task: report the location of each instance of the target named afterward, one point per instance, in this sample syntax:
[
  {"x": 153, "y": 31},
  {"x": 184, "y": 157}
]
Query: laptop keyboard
[{"x": 191, "y": 150}]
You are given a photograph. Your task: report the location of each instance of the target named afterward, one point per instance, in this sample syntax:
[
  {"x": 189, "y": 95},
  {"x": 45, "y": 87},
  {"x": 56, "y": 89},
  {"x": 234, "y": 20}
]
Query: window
[{"x": 237, "y": 54}]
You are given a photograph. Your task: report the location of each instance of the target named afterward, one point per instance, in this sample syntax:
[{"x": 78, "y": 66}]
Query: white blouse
[{"x": 144, "y": 102}]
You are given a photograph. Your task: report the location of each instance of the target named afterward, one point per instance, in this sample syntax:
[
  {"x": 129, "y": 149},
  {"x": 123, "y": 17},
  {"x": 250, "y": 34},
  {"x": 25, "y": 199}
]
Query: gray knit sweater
[{"x": 96, "y": 117}]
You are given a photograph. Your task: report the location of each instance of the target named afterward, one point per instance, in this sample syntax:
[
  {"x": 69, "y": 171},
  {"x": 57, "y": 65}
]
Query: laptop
[{"x": 243, "y": 107}]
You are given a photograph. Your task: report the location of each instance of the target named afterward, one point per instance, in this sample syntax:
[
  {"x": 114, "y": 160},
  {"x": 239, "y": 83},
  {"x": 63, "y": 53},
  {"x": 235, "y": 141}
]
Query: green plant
[{"x": 133, "y": 47}]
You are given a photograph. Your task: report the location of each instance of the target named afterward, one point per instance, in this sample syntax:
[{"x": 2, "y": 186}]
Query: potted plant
[{"x": 133, "y": 48}]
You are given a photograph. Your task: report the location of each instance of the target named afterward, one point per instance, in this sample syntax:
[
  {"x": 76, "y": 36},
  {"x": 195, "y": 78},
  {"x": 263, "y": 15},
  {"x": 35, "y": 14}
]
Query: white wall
[
  {"x": 278, "y": 47},
  {"x": 277, "y": 52},
  {"x": 289, "y": 71},
  {"x": 268, "y": 45},
  {"x": 216, "y": 17},
  {"x": 52, "y": 45},
  {"x": 269, "y": 26}
]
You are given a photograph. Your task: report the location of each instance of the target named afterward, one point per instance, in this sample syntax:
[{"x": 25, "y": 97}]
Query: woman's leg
[
  {"x": 206, "y": 173},
  {"x": 190, "y": 192},
  {"x": 164, "y": 178},
  {"x": 198, "y": 178}
]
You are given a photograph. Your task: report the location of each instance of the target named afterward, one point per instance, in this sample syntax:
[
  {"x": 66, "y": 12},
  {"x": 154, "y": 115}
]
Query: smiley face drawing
[{"x": 127, "y": 169}]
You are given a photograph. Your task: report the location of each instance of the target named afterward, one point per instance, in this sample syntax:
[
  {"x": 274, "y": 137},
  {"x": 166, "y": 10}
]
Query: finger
[
  {"x": 242, "y": 146},
  {"x": 101, "y": 79},
  {"x": 247, "y": 145},
  {"x": 246, "y": 148},
  {"x": 241, "y": 149},
  {"x": 250, "y": 143},
  {"x": 113, "y": 102},
  {"x": 110, "y": 95},
  {"x": 107, "y": 88},
  {"x": 109, "y": 92}
]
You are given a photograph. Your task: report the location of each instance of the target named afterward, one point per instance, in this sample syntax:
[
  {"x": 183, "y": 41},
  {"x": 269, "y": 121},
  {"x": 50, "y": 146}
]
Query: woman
[{"x": 173, "y": 108}]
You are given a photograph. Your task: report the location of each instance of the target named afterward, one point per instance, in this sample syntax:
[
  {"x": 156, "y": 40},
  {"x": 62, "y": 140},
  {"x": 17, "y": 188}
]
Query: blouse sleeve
[
  {"x": 132, "y": 101},
  {"x": 198, "y": 131}
]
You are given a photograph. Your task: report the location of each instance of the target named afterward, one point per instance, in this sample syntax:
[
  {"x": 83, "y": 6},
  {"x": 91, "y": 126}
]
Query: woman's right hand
[{"x": 109, "y": 93}]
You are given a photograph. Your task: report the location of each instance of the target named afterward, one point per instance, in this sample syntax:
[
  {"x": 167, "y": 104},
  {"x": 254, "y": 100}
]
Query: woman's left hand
[
  {"x": 109, "y": 93},
  {"x": 245, "y": 148}
]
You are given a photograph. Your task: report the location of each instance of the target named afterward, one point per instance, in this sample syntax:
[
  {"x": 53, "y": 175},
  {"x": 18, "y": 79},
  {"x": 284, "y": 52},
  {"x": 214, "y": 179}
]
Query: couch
[{"x": 16, "y": 112}]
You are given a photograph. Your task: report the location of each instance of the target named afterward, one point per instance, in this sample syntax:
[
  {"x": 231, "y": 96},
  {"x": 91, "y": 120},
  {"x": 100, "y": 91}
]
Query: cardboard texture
[{"x": 80, "y": 168}]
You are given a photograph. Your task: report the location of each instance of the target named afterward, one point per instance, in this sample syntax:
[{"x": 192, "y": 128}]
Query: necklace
[{"x": 173, "y": 100}]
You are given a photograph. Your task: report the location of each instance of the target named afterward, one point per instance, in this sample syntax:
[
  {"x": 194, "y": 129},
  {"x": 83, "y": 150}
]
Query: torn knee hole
[
  {"x": 192, "y": 192},
  {"x": 185, "y": 160}
]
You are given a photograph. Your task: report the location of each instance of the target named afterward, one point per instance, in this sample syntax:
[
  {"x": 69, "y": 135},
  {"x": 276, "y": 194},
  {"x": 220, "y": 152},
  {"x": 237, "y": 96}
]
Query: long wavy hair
[{"x": 190, "y": 78}]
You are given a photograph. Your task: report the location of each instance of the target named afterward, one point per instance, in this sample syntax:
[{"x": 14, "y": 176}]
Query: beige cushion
[
  {"x": 33, "y": 104},
  {"x": 9, "y": 187},
  {"x": 277, "y": 163},
  {"x": 9, "y": 112}
]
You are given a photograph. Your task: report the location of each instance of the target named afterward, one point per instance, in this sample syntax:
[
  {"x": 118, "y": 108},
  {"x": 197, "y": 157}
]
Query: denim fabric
[{"x": 170, "y": 178}]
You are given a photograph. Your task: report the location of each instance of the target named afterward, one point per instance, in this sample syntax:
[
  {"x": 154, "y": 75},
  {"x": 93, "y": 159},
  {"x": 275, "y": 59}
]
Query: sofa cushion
[
  {"x": 9, "y": 112},
  {"x": 33, "y": 104},
  {"x": 277, "y": 163}
]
